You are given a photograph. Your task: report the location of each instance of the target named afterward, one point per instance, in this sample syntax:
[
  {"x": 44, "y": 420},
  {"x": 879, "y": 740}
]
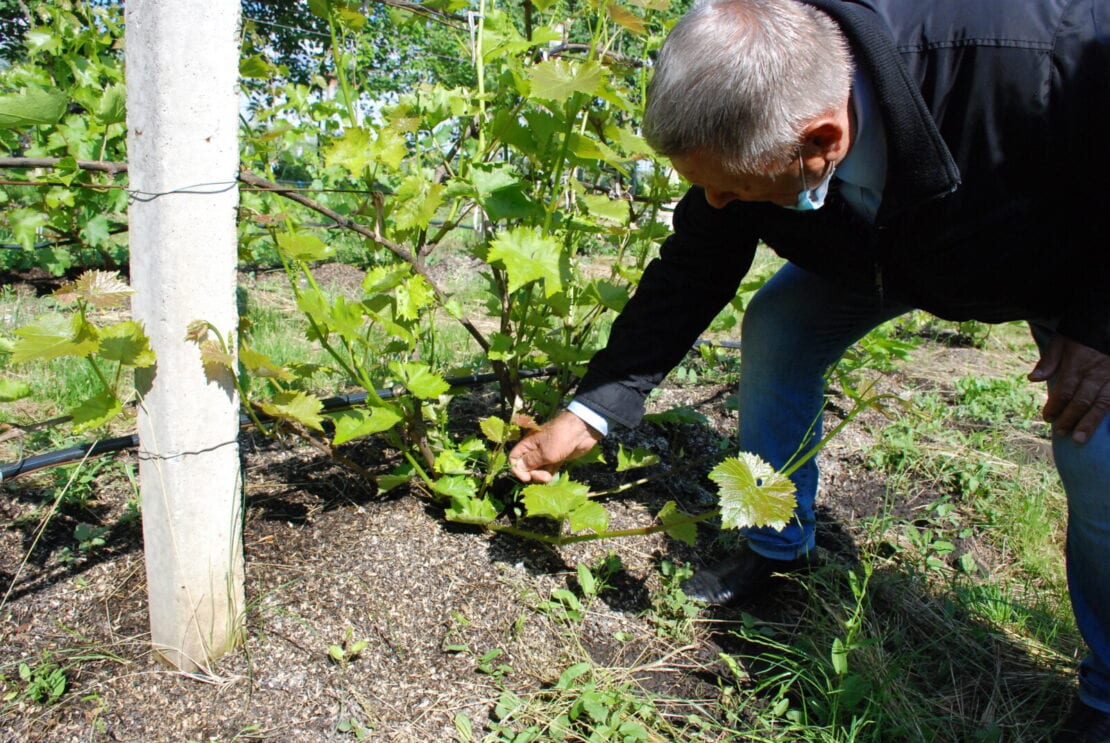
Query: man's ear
[{"x": 828, "y": 137}]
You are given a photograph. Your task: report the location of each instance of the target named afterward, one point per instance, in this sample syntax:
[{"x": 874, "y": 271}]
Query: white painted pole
[{"x": 182, "y": 115}]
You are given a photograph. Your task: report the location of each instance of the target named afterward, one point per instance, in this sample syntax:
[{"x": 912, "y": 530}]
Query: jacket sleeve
[
  {"x": 697, "y": 272},
  {"x": 1081, "y": 103}
]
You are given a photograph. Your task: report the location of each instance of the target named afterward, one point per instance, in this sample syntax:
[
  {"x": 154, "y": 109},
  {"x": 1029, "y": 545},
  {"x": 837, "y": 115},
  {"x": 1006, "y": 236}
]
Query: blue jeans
[{"x": 794, "y": 329}]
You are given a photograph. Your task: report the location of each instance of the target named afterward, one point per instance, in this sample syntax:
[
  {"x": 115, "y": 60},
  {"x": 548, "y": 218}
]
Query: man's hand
[
  {"x": 539, "y": 455},
  {"x": 1079, "y": 397}
]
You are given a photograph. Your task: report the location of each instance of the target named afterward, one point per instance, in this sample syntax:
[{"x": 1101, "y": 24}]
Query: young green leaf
[
  {"x": 127, "y": 343},
  {"x": 555, "y": 500},
  {"x": 415, "y": 202},
  {"x": 684, "y": 532},
  {"x": 11, "y": 390},
  {"x": 351, "y": 151},
  {"x": 456, "y": 487},
  {"x": 448, "y": 462},
  {"x": 216, "y": 359},
  {"x": 95, "y": 411},
  {"x": 100, "y": 289},
  {"x": 420, "y": 380},
  {"x": 358, "y": 422},
  {"x": 412, "y": 297},
  {"x": 752, "y": 493},
  {"x": 527, "y": 256},
  {"x": 296, "y": 406},
  {"x": 260, "y": 365},
  {"x": 54, "y": 336},
  {"x": 589, "y": 515},
  {"x": 112, "y": 109},
  {"x": 30, "y": 107},
  {"x": 497, "y": 430},
  {"x": 470, "y": 510},
  {"x": 302, "y": 247},
  {"x": 638, "y": 457},
  {"x": 559, "y": 79}
]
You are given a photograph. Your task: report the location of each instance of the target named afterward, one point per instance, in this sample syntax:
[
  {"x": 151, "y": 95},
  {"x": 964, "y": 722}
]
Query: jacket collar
[{"x": 920, "y": 167}]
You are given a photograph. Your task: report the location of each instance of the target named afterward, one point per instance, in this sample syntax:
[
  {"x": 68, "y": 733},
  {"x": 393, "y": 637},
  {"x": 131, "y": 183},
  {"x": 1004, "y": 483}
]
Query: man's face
[{"x": 722, "y": 187}]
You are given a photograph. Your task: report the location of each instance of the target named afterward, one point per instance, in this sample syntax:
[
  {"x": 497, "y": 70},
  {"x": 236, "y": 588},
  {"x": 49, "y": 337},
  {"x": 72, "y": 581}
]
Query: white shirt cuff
[{"x": 590, "y": 417}]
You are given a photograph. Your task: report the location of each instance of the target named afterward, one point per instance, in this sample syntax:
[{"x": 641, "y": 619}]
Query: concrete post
[{"x": 182, "y": 115}]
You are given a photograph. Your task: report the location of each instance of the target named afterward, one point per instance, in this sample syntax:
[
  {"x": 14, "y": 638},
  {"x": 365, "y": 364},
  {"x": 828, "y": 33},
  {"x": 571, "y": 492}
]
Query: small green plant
[
  {"x": 672, "y": 612},
  {"x": 584, "y": 704},
  {"x": 44, "y": 682},
  {"x": 354, "y": 727},
  {"x": 349, "y": 650}
]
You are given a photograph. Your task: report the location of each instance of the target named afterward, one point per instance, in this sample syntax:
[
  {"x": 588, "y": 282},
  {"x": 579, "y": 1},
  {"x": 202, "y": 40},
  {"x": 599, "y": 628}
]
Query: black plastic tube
[
  {"x": 122, "y": 443},
  {"x": 338, "y": 402}
]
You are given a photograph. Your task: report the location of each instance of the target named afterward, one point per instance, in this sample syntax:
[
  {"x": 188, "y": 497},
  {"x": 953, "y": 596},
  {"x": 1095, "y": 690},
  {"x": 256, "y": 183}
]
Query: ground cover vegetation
[{"x": 435, "y": 191}]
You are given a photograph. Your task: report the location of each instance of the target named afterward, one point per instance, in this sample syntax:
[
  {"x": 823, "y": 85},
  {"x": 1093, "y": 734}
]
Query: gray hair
[{"x": 740, "y": 79}]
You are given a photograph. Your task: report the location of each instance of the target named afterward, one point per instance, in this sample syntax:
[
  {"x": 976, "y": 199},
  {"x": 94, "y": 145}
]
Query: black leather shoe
[
  {"x": 1084, "y": 725},
  {"x": 738, "y": 576}
]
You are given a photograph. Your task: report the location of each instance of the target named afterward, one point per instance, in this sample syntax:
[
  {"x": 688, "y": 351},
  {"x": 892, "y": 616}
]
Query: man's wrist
[{"x": 590, "y": 417}]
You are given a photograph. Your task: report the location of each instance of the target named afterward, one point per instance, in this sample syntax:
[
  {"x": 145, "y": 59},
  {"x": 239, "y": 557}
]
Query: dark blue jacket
[{"x": 997, "y": 198}]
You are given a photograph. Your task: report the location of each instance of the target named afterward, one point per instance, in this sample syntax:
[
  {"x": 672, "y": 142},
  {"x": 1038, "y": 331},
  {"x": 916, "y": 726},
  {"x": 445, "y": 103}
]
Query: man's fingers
[{"x": 1093, "y": 415}]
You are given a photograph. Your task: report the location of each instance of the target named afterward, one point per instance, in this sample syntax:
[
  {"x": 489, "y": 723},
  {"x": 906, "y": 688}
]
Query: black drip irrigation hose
[
  {"x": 339, "y": 402},
  {"x": 122, "y": 443}
]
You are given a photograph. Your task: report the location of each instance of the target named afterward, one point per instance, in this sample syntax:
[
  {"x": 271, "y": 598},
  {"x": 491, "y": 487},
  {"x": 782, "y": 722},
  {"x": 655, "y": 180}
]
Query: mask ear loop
[{"x": 802, "y": 170}]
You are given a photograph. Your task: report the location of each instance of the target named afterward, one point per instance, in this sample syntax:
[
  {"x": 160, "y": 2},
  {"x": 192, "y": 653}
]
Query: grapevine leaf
[
  {"x": 500, "y": 347},
  {"x": 260, "y": 365},
  {"x": 101, "y": 289},
  {"x": 608, "y": 295},
  {"x": 528, "y": 255},
  {"x": 127, "y": 343},
  {"x": 448, "y": 462},
  {"x": 420, "y": 380},
  {"x": 11, "y": 390},
  {"x": 752, "y": 493},
  {"x": 30, "y": 107},
  {"x": 624, "y": 17},
  {"x": 501, "y": 194},
  {"x": 215, "y": 359},
  {"x": 497, "y": 430},
  {"x": 383, "y": 278},
  {"x": 96, "y": 231},
  {"x": 353, "y": 424},
  {"x": 415, "y": 202},
  {"x": 683, "y": 532},
  {"x": 638, "y": 457},
  {"x": 611, "y": 210},
  {"x": 399, "y": 476},
  {"x": 590, "y": 515},
  {"x": 555, "y": 500},
  {"x": 350, "y": 151},
  {"x": 296, "y": 406},
  {"x": 53, "y": 336},
  {"x": 25, "y": 225},
  {"x": 95, "y": 411},
  {"x": 412, "y": 297},
  {"x": 300, "y": 247},
  {"x": 456, "y": 486},
  {"x": 479, "y": 511},
  {"x": 255, "y": 67},
  {"x": 559, "y": 79},
  {"x": 112, "y": 109}
]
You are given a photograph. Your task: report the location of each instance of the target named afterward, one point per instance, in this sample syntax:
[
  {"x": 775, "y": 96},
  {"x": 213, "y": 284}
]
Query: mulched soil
[{"x": 327, "y": 558}]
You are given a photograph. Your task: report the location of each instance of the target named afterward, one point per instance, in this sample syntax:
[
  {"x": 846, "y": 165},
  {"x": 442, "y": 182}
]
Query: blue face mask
[{"x": 811, "y": 199}]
